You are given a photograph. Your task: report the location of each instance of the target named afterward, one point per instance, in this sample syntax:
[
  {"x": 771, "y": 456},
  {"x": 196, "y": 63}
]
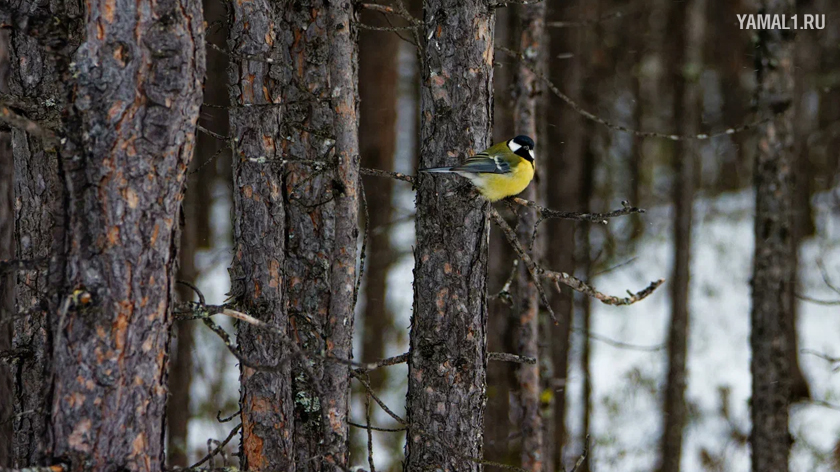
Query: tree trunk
[
  {"x": 260, "y": 132},
  {"x": 527, "y": 90},
  {"x": 129, "y": 139},
  {"x": 687, "y": 25},
  {"x": 567, "y": 168},
  {"x": 377, "y": 140},
  {"x": 36, "y": 83},
  {"x": 448, "y": 359},
  {"x": 7, "y": 278},
  {"x": 296, "y": 228},
  {"x": 773, "y": 268}
]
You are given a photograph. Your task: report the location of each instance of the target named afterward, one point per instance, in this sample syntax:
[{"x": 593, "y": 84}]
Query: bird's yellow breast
[{"x": 498, "y": 186}]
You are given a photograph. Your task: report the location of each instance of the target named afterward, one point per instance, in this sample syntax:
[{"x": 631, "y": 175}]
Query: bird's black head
[{"x": 522, "y": 146}]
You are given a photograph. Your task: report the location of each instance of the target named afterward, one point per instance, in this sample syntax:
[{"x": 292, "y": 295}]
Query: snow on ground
[{"x": 626, "y": 383}]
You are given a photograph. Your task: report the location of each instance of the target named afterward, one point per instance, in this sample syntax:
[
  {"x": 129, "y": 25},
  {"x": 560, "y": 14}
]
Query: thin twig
[
  {"x": 547, "y": 213},
  {"x": 218, "y": 449},
  {"x": 384, "y": 173},
  {"x": 507, "y": 357},
  {"x": 369, "y": 430},
  {"x": 363, "y": 368},
  {"x": 228, "y": 418},
  {"x": 526, "y": 259},
  {"x": 582, "y": 455},
  {"x": 574, "y": 283},
  {"x": 376, "y": 428}
]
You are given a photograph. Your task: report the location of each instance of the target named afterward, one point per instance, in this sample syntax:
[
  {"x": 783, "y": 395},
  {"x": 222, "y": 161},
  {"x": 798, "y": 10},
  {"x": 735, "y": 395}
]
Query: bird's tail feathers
[{"x": 438, "y": 170}]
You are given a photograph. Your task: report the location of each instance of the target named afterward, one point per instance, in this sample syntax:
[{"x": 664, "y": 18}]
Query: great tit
[{"x": 500, "y": 171}]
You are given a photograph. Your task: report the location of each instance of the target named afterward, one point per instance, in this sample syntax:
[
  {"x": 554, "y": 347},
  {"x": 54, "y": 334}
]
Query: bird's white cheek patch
[{"x": 514, "y": 146}]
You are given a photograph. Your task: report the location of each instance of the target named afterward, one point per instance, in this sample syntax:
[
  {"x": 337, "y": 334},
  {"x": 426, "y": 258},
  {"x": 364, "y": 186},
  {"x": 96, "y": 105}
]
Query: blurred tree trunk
[
  {"x": 773, "y": 263},
  {"x": 566, "y": 169},
  {"x": 180, "y": 378},
  {"x": 124, "y": 164},
  {"x": 527, "y": 89},
  {"x": 296, "y": 226},
  {"x": 196, "y": 209},
  {"x": 500, "y": 431},
  {"x": 7, "y": 278},
  {"x": 377, "y": 141},
  {"x": 806, "y": 111},
  {"x": 42, "y": 94},
  {"x": 447, "y": 362},
  {"x": 687, "y": 24}
]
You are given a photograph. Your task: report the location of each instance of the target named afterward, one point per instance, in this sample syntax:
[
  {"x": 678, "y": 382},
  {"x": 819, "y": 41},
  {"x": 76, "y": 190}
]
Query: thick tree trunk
[
  {"x": 447, "y": 362},
  {"x": 527, "y": 90},
  {"x": 688, "y": 25},
  {"x": 36, "y": 83},
  {"x": 773, "y": 264},
  {"x": 137, "y": 91},
  {"x": 296, "y": 227}
]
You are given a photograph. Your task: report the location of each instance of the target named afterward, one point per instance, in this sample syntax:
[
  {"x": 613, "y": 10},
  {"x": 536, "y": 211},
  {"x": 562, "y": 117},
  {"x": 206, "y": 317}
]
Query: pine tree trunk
[
  {"x": 129, "y": 138},
  {"x": 42, "y": 94},
  {"x": 447, "y": 362},
  {"x": 296, "y": 181},
  {"x": 773, "y": 264},
  {"x": 377, "y": 137},
  {"x": 261, "y": 134},
  {"x": 7, "y": 278},
  {"x": 687, "y": 23},
  {"x": 526, "y": 92}
]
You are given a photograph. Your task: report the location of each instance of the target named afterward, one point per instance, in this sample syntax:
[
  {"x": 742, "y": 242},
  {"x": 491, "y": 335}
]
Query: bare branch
[
  {"x": 384, "y": 173},
  {"x": 529, "y": 263},
  {"x": 507, "y": 357},
  {"x": 376, "y": 428},
  {"x": 576, "y": 284},
  {"x": 547, "y": 213},
  {"x": 8, "y": 116},
  {"x": 218, "y": 449}
]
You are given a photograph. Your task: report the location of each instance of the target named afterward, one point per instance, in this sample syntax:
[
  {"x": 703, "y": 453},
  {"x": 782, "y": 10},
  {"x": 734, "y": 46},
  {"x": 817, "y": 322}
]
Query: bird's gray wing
[{"x": 482, "y": 163}]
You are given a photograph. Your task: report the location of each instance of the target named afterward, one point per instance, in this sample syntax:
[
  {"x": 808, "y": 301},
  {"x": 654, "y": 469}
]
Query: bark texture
[
  {"x": 7, "y": 279},
  {"x": 773, "y": 263},
  {"x": 447, "y": 362},
  {"x": 37, "y": 84},
  {"x": 129, "y": 139},
  {"x": 296, "y": 181},
  {"x": 688, "y": 25},
  {"x": 527, "y": 89},
  {"x": 262, "y": 31}
]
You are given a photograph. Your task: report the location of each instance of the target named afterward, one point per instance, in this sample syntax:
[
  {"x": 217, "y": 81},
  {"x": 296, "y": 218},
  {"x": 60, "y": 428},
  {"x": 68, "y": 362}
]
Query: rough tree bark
[
  {"x": 687, "y": 24},
  {"x": 773, "y": 263},
  {"x": 527, "y": 90},
  {"x": 296, "y": 181},
  {"x": 36, "y": 84},
  {"x": 447, "y": 362},
  {"x": 259, "y": 130},
  {"x": 129, "y": 139},
  {"x": 7, "y": 279}
]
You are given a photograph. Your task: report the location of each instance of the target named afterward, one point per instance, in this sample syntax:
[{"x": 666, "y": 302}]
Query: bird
[{"x": 500, "y": 171}]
